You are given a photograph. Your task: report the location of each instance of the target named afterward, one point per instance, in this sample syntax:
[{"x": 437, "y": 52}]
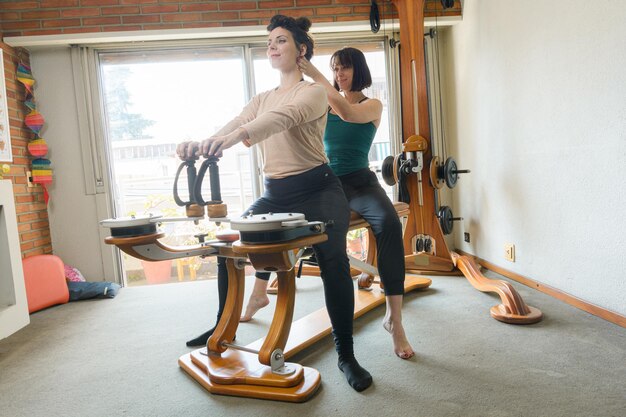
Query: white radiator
[{"x": 13, "y": 304}]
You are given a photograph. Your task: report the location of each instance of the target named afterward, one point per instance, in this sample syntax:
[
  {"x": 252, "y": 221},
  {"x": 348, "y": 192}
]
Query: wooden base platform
[
  {"x": 240, "y": 374},
  {"x": 250, "y": 378}
]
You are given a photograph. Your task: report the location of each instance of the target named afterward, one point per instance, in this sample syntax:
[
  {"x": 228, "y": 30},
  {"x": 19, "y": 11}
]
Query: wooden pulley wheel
[
  {"x": 447, "y": 219},
  {"x": 447, "y": 172},
  {"x": 415, "y": 143},
  {"x": 435, "y": 178},
  {"x": 365, "y": 281},
  {"x": 387, "y": 170}
]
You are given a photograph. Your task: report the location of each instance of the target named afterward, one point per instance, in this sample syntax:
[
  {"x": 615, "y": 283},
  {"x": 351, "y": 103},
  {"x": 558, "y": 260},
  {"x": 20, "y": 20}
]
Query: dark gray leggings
[
  {"x": 317, "y": 194},
  {"x": 366, "y": 197}
]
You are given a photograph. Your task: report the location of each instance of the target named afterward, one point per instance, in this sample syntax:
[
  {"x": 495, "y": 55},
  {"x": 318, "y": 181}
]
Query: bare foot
[
  {"x": 255, "y": 303},
  {"x": 401, "y": 345}
]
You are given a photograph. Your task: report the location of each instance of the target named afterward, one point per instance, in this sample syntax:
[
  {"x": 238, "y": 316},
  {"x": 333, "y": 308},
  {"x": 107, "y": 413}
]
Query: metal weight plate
[
  {"x": 450, "y": 172},
  {"x": 446, "y": 219},
  {"x": 387, "y": 169}
]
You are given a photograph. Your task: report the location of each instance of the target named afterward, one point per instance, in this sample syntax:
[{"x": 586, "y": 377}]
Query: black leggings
[
  {"x": 317, "y": 194},
  {"x": 366, "y": 197}
]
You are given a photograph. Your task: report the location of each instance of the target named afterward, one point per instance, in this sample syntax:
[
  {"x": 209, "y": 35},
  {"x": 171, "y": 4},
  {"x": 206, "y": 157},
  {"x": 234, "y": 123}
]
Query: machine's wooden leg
[
  {"x": 227, "y": 326},
  {"x": 283, "y": 315},
  {"x": 513, "y": 310},
  {"x": 227, "y": 370}
]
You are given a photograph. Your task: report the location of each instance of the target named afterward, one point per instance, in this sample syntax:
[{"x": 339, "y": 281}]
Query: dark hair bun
[
  {"x": 299, "y": 28},
  {"x": 303, "y": 23}
]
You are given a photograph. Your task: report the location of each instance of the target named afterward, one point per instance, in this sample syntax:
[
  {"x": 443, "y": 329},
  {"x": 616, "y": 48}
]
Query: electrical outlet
[
  {"x": 509, "y": 252},
  {"x": 29, "y": 179},
  {"x": 466, "y": 237}
]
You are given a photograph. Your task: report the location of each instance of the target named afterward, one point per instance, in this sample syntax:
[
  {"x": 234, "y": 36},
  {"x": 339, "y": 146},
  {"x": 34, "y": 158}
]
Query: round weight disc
[
  {"x": 445, "y": 219},
  {"x": 450, "y": 172},
  {"x": 387, "y": 169},
  {"x": 260, "y": 222}
]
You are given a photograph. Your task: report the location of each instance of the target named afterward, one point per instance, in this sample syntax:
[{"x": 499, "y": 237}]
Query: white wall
[
  {"x": 537, "y": 110},
  {"x": 77, "y": 238}
]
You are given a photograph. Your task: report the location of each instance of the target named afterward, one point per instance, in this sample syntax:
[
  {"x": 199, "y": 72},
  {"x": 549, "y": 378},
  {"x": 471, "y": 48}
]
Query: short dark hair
[
  {"x": 353, "y": 58},
  {"x": 299, "y": 28}
]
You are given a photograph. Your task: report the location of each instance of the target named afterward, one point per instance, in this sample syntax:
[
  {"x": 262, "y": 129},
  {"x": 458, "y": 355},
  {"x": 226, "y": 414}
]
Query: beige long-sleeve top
[{"x": 288, "y": 127}]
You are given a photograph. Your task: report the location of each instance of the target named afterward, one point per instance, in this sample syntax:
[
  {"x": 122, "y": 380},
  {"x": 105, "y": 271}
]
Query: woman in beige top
[{"x": 287, "y": 124}]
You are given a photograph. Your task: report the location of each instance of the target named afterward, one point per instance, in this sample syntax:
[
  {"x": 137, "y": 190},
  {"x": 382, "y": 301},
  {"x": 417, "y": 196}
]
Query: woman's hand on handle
[
  {"x": 215, "y": 145},
  {"x": 188, "y": 150}
]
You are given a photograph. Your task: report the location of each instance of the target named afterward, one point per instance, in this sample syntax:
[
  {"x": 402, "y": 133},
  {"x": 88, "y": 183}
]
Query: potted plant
[
  {"x": 157, "y": 272},
  {"x": 355, "y": 241}
]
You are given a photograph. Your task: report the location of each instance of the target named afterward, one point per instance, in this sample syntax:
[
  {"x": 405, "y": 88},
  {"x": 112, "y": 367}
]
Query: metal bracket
[{"x": 277, "y": 362}]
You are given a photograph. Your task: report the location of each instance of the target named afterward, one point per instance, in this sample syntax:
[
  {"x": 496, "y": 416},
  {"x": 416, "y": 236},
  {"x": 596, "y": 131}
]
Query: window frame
[{"x": 89, "y": 95}]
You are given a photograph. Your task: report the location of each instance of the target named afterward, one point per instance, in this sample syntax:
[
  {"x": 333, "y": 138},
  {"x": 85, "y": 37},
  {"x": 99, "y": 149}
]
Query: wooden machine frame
[
  {"x": 259, "y": 369},
  {"x": 422, "y": 219}
]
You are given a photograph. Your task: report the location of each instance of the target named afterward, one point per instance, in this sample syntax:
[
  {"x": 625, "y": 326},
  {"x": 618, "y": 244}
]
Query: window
[{"x": 155, "y": 98}]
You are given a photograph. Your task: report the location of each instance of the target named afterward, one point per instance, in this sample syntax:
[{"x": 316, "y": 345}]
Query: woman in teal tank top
[{"x": 352, "y": 122}]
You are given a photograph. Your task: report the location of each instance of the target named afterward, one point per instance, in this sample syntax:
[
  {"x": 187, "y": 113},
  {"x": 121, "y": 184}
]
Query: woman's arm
[
  {"x": 229, "y": 135},
  {"x": 364, "y": 112},
  {"x": 309, "y": 104}
]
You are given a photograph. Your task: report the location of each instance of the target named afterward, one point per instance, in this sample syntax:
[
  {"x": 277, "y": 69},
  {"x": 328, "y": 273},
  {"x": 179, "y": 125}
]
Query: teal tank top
[{"x": 347, "y": 144}]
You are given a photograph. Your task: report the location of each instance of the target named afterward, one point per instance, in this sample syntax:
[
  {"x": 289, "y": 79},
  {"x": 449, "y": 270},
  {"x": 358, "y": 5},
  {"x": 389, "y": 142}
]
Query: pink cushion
[
  {"x": 44, "y": 276},
  {"x": 73, "y": 274}
]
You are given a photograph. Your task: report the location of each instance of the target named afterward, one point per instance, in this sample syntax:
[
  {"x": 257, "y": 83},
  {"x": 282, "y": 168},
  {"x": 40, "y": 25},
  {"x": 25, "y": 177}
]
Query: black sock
[
  {"x": 357, "y": 376},
  {"x": 202, "y": 339}
]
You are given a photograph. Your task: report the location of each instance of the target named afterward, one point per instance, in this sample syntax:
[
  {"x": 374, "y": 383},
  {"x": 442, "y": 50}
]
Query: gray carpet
[{"x": 118, "y": 357}]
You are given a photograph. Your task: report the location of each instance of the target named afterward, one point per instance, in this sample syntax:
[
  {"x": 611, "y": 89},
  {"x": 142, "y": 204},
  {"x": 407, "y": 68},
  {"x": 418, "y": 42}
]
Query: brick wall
[
  {"x": 32, "y": 215},
  {"x": 52, "y": 17},
  {"x": 49, "y": 17}
]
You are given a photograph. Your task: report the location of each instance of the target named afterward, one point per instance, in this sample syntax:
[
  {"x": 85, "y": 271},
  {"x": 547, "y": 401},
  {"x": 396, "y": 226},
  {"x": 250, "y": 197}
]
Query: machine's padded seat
[
  {"x": 44, "y": 276},
  {"x": 358, "y": 222}
]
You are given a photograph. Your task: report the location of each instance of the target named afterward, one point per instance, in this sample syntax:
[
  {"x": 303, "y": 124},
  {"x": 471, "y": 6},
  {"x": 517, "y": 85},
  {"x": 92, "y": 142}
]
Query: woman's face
[
  {"x": 343, "y": 76},
  {"x": 281, "y": 49}
]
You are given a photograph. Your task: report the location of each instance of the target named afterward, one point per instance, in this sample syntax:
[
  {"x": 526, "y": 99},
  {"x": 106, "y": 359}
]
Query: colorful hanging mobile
[{"x": 38, "y": 148}]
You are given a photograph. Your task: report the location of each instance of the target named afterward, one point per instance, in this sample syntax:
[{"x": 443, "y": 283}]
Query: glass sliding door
[{"x": 153, "y": 100}]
